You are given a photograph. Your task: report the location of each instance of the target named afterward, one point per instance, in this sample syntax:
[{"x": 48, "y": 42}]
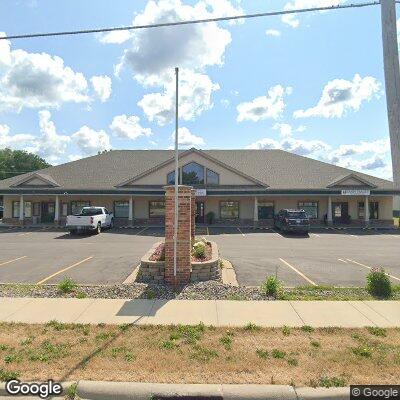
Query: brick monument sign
[{"x": 186, "y": 231}]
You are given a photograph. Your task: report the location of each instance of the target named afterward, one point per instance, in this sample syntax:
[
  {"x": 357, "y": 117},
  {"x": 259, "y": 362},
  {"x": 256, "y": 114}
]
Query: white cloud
[
  {"x": 128, "y": 127},
  {"x": 115, "y": 37},
  {"x": 195, "y": 91},
  {"x": 293, "y": 19},
  {"x": 269, "y": 106},
  {"x": 340, "y": 96},
  {"x": 36, "y": 80},
  {"x": 380, "y": 146},
  {"x": 190, "y": 46},
  {"x": 366, "y": 156},
  {"x": 285, "y": 130},
  {"x": 90, "y": 141},
  {"x": 187, "y": 139},
  {"x": 156, "y": 52},
  {"x": 49, "y": 145},
  {"x": 102, "y": 86},
  {"x": 225, "y": 103},
  {"x": 273, "y": 32},
  {"x": 16, "y": 141},
  {"x": 297, "y": 146}
]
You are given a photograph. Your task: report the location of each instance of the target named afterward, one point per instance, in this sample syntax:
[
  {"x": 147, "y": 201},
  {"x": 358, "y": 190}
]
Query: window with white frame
[{"x": 310, "y": 207}]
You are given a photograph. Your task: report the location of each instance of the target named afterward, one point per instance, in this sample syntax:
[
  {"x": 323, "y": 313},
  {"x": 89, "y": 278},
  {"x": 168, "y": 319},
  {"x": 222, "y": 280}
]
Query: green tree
[{"x": 17, "y": 162}]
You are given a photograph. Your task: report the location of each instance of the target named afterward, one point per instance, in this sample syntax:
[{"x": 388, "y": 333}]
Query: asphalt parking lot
[
  {"x": 48, "y": 256},
  {"x": 324, "y": 257}
]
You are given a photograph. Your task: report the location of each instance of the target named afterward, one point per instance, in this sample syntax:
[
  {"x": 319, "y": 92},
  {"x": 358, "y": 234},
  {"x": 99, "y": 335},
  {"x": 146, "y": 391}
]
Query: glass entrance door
[
  {"x": 199, "y": 212},
  {"x": 48, "y": 212},
  {"x": 340, "y": 213}
]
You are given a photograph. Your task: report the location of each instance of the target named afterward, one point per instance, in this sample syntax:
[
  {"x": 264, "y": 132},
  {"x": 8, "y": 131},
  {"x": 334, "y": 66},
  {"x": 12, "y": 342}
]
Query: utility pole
[
  {"x": 392, "y": 83},
  {"x": 176, "y": 211}
]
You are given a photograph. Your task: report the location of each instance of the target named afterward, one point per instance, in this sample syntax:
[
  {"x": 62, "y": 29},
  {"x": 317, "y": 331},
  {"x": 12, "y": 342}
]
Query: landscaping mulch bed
[
  {"x": 288, "y": 356},
  {"x": 159, "y": 254},
  {"x": 210, "y": 290}
]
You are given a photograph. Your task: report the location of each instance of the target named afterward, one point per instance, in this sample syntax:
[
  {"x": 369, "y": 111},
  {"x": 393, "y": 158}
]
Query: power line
[{"x": 196, "y": 21}]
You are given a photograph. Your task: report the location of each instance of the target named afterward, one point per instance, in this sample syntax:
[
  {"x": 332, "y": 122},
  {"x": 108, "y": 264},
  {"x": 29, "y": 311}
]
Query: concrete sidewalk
[{"x": 349, "y": 314}]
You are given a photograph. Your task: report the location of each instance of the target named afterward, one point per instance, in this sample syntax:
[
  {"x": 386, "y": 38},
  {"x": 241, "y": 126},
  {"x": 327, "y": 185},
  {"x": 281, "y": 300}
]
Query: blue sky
[{"x": 311, "y": 84}]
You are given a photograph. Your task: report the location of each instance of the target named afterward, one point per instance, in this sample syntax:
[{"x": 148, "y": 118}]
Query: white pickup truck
[{"x": 90, "y": 219}]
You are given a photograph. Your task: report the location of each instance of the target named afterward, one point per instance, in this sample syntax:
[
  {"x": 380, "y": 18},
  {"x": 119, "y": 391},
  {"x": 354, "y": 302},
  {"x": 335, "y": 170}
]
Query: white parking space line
[
  {"x": 142, "y": 230},
  {"x": 350, "y": 234},
  {"x": 10, "y": 261},
  {"x": 343, "y": 261},
  {"x": 299, "y": 272},
  {"x": 25, "y": 234},
  {"x": 63, "y": 270},
  {"x": 241, "y": 232},
  {"x": 315, "y": 235},
  {"x": 366, "y": 266}
]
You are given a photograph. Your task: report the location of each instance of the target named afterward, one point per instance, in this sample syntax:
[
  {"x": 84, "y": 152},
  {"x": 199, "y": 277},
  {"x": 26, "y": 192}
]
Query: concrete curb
[
  {"x": 92, "y": 390},
  {"x": 100, "y": 390}
]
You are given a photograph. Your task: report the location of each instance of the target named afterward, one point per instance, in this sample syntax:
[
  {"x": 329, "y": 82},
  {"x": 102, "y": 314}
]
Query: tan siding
[{"x": 226, "y": 176}]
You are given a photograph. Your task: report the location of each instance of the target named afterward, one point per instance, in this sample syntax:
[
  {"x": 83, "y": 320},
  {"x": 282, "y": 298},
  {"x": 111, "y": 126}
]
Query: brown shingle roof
[{"x": 276, "y": 168}]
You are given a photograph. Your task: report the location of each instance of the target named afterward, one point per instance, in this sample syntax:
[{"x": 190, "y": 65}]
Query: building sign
[
  {"x": 201, "y": 192},
  {"x": 356, "y": 192}
]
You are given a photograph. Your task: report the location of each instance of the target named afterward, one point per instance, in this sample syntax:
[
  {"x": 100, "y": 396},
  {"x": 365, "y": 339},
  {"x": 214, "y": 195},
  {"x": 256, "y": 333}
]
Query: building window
[
  {"x": 212, "y": 177},
  {"x": 310, "y": 207},
  {"x": 15, "y": 209},
  {"x": 64, "y": 209},
  {"x": 76, "y": 206},
  {"x": 156, "y": 209},
  {"x": 229, "y": 210},
  {"x": 121, "y": 209},
  {"x": 373, "y": 210},
  {"x": 36, "y": 209},
  {"x": 193, "y": 174},
  {"x": 266, "y": 210},
  {"x": 28, "y": 209},
  {"x": 171, "y": 177}
]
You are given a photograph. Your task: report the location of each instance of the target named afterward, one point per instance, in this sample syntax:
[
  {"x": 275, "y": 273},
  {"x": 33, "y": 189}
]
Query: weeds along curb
[{"x": 92, "y": 390}]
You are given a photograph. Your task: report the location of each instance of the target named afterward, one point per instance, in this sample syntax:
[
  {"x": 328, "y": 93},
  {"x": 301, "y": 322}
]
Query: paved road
[
  {"x": 340, "y": 258},
  {"x": 324, "y": 257}
]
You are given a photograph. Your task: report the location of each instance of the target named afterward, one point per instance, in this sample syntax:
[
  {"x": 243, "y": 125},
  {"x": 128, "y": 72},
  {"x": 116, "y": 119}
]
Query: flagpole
[{"x": 176, "y": 172}]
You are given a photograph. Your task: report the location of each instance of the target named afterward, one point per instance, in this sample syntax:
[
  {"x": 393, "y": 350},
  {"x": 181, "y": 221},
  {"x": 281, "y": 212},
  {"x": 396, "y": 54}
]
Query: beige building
[{"x": 234, "y": 187}]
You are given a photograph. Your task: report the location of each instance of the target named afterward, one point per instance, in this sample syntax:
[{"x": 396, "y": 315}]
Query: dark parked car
[
  {"x": 292, "y": 221},
  {"x": 1, "y": 212}
]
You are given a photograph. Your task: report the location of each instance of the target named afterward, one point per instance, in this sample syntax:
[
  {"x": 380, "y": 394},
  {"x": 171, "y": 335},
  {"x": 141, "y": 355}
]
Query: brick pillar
[
  {"x": 193, "y": 222},
  {"x": 183, "y": 267}
]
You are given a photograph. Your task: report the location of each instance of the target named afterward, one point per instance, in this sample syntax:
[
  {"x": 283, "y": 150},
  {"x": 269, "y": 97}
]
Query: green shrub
[
  {"x": 307, "y": 328},
  {"x": 67, "y": 285},
  {"x": 278, "y": 353},
  {"x": 293, "y": 362},
  {"x": 362, "y": 351},
  {"x": 286, "y": 330},
  {"x": 262, "y": 353},
  {"x": 374, "y": 330},
  {"x": 252, "y": 327},
  {"x": 378, "y": 284},
  {"x": 210, "y": 216},
  {"x": 72, "y": 391},
  {"x": 7, "y": 375},
  {"x": 334, "y": 381},
  {"x": 199, "y": 250},
  {"x": 271, "y": 286}
]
